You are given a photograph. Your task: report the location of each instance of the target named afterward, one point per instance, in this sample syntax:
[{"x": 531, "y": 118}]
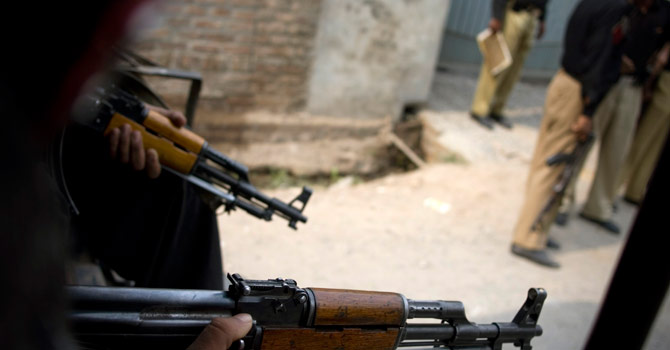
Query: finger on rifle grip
[
  {"x": 124, "y": 143},
  {"x": 113, "y": 141},
  {"x": 181, "y": 136},
  {"x": 137, "y": 155},
  {"x": 168, "y": 154},
  {"x": 222, "y": 332},
  {"x": 153, "y": 166}
]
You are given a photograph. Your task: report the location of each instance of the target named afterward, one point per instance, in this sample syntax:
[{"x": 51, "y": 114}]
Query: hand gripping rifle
[
  {"x": 187, "y": 155},
  {"x": 573, "y": 162},
  {"x": 288, "y": 317}
]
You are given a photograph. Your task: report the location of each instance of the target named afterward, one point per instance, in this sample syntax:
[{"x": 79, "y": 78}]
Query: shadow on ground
[{"x": 581, "y": 235}]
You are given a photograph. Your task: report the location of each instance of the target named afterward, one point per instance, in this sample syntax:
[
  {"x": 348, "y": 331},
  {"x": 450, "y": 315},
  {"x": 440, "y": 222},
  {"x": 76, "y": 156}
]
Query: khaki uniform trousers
[
  {"x": 492, "y": 92},
  {"x": 648, "y": 141},
  {"x": 614, "y": 126},
  {"x": 563, "y": 106}
]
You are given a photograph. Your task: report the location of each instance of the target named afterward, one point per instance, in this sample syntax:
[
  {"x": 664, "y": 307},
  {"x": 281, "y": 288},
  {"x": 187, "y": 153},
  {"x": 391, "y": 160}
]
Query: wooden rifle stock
[{"x": 340, "y": 319}]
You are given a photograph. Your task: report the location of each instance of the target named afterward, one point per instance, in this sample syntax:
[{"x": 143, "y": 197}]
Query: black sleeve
[
  {"x": 666, "y": 30},
  {"x": 158, "y": 233},
  {"x": 499, "y": 9},
  {"x": 599, "y": 79},
  {"x": 543, "y": 11},
  {"x": 576, "y": 35},
  {"x": 592, "y": 98},
  {"x": 577, "y": 61}
]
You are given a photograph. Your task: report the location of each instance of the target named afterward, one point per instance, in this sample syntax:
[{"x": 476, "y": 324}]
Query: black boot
[
  {"x": 608, "y": 225},
  {"x": 483, "y": 121},
  {"x": 561, "y": 219},
  {"x": 502, "y": 120},
  {"x": 537, "y": 256},
  {"x": 553, "y": 244}
]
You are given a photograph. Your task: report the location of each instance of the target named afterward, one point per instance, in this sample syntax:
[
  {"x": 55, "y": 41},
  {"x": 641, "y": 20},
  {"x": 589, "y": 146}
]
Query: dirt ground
[{"x": 444, "y": 231}]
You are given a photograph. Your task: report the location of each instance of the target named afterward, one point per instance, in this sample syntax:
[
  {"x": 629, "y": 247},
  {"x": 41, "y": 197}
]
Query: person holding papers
[{"x": 518, "y": 20}]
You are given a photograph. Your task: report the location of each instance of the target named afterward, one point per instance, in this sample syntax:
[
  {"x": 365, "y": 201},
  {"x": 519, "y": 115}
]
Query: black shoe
[
  {"x": 537, "y": 256},
  {"x": 484, "y": 121},
  {"x": 608, "y": 225},
  {"x": 561, "y": 219},
  {"x": 553, "y": 244},
  {"x": 502, "y": 120}
]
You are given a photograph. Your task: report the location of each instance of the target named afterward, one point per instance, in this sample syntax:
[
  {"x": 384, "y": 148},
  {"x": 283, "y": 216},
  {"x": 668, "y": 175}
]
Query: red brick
[
  {"x": 286, "y": 17},
  {"x": 238, "y": 27},
  {"x": 170, "y": 46},
  {"x": 253, "y": 53},
  {"x": 193, "y": 10},
  {"x": 233, "y": 48},
  {"x": 206, "y": 48},
  {"x": 159, "y": 33},
  {"x": 220, "y": 12},
  {"x": 244, "y": 3},
  {"x": 189, "y": 62},
  {"x": 216, "y": 37},
  {"x": 271, "y": 27},
  {"x": 238, "y": 64},
  {"x": 172, "y": 8},
  {"x": 244, "y": 14},
  {"x": 212, "y": 63},
  {"x": 177, "y": 22},
  {"x": 207, "y": 23},
  {"x": 242, "y": 99}
]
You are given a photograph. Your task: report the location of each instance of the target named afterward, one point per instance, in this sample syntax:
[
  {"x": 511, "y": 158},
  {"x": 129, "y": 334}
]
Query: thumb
[
  {"x": 177, "y": 118},
  {"x": 222, "y": 332}
]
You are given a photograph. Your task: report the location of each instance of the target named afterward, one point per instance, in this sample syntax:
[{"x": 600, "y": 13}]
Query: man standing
[
  {"x": 615, "y": 119},
  {"x": 650, "y": 135},
  {"x": 590, "y": 67},
  {"x": 518, "y": 20}
]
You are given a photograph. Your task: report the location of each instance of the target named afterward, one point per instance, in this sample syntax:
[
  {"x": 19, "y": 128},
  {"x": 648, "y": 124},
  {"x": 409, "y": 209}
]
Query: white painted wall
[{"x": 374, "y": 56}]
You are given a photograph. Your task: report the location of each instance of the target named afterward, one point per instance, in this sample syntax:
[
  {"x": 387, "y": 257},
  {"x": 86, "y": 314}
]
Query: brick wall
[{"x": 253, "y": 54}]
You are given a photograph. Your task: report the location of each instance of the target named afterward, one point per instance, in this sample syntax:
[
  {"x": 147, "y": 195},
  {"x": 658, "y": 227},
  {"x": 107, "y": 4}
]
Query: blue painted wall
[{"x": 469, "y": 17}]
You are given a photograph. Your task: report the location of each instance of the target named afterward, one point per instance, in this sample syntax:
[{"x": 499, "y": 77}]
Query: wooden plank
[{"x": 400, "y": 144}]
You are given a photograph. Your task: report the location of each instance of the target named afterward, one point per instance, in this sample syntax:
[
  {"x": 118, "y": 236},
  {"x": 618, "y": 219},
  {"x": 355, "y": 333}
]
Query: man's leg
[
  {"x": 563, "y": 106},
  {"x": 519, "y": 33},
  {"x": 569, "y": 197},
  {"x": 615, "y": 140},
  {"x": 648, "y": 142},
  {"x": 482, "y": 99},
  {"x": 601, "y": 120},
  {"x": 487, "y": 83}
]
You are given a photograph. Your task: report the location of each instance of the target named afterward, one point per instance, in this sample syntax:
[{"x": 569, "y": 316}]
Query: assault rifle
[
  {"x": 288, "y": 317},
  {"x": 573, "y": 162},
  {"x": 187, "y": 155}
]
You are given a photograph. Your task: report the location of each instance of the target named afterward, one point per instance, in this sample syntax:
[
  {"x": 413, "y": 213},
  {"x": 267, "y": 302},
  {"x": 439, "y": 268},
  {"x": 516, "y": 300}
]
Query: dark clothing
[
  {"x": 647, "y": 35},
  {"x": 519, "y": 5},
  {"x": 158, "y": 233},
  {"x": 593, "y": 47}
]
